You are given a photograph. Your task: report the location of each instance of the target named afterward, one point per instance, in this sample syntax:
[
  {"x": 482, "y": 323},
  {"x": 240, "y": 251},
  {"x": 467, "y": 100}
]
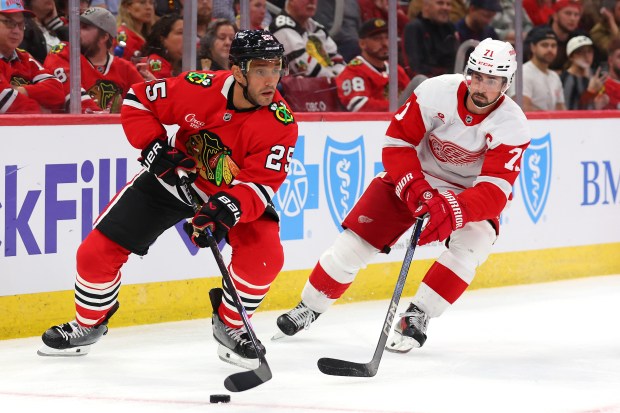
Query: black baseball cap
[
  {"x": 492, "y": 5},
  {"x": 371, "y": 27},
  {"x": 539, "y": 33}
]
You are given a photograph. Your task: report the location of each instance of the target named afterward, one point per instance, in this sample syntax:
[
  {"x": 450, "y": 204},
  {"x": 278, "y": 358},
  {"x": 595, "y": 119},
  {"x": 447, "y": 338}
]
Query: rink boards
[{"x": 57, "y": 173}]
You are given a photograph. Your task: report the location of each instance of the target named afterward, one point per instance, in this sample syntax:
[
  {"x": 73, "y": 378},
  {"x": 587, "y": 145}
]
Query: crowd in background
[{"x": 571, "y": 48}]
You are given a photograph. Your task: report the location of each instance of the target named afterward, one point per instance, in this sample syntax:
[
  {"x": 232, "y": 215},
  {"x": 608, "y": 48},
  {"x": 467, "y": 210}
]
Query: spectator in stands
[
  {"x": 163, "y": 7},
  {"x": 504, "y": 22},
  {"x": 204, "y": 16},
  {"x": 378, "y": 9},
  {"x": 105, "y": 78},
  {"x": 308, "y": 47},
  {"x": 476, "y": 24},
  {"x": 539, "y": 11},
  {"x": 163, "y": 48},
  {"x": 47, "y": 21},
  {"x": 134, "y": 21},
  {"x": 346, "y": 36},
  {"x": 565, "y": 24},
  {"x": 542, "y": 87},
  {"x": 25, "y": 86},
  {"x": 458, "y": 9},
  {"x": 111, "y": 5},
  {"x": 430, "y": 40},
  {"x": 259, "y": 18},
  {"x": 581, "y": 88},
  {"x": 606, "y": 29},
  {"x": 612, "y": 84},
  {"x": 215, "y": 45},
  {"x": 363, "y": 84},
  {"x": 224, "y": 9}
]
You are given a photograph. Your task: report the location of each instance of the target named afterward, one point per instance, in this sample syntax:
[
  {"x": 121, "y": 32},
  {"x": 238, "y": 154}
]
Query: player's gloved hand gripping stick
[
  {"x": 244, "y": 380},
  {"x": 336, "y": 367}
]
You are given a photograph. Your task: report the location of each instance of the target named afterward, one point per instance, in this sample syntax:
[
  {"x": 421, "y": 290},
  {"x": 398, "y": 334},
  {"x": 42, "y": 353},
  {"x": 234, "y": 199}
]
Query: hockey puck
[{"x": 219, "y": 398}]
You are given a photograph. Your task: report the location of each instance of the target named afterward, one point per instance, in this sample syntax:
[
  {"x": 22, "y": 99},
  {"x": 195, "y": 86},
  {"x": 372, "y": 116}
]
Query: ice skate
[
  {"x": 297, "y": 319},
  {"x": 235, "y": 344},
  {"x": 71, "y": 339},
  {"x": 410, "y": 332}
]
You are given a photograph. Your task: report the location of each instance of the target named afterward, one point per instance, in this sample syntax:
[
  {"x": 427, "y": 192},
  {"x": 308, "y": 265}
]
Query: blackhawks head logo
[
  {"x": 282, "y": 113},
  {"x": 103, "y": 92},
  {"x": 212, "y": 158}
]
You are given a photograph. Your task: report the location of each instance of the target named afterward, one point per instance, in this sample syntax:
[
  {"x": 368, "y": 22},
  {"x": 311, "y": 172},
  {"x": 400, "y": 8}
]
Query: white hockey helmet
[{"x": 494, "y": 57}]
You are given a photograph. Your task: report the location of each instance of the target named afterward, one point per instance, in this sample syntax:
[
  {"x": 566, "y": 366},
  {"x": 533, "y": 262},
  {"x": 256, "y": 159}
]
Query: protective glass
[{"x": 274, "y": 68}]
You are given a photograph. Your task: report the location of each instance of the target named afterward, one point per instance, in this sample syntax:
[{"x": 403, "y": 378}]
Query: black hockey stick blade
[
  {"x": 337, "y": 367},
  {"x": 247, "y": 380}
]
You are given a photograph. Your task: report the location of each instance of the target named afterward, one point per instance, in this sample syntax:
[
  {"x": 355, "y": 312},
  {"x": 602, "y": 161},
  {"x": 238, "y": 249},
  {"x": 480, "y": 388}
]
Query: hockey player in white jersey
[{"x": 453, "y": 150}]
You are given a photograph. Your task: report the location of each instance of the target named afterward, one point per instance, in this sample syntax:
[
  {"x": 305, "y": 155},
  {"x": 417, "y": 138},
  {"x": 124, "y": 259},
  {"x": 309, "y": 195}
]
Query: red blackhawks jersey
[
  {"x": 479, "y": 156},
  {"x": 44, "y": 90},
  {"x": 244, "y": 153},
  {"x": 363, "y": 88},
  {"x": 132, "y": 40},
  {"x": 101, "y": 86},
  {"x": 158, "y": 66}
]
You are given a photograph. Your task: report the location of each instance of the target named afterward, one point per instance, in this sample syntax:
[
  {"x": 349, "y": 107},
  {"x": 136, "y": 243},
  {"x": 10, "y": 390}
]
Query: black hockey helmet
[{"x": 254, "y": 44}]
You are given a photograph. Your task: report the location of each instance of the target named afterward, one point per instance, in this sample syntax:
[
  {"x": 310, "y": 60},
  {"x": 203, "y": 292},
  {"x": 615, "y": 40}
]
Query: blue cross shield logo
[
  {"x": 535, "y": 177},
  {"x": 297, "y": 193},
  {"x": 343, "y": 175}
]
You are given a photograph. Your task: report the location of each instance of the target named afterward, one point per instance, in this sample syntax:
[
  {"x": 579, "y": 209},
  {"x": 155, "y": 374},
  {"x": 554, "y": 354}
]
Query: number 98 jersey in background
[{"x": 243, "y": 152}]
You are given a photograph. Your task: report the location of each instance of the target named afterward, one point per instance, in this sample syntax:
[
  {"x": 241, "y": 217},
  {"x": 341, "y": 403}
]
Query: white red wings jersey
[
  {"x": 434, "y": 134},
  {"x": 21, "y": 69},
  {"x": 363, "y": 88},
  {"x": 244, "y": 153},
  {"x": 104, "y": 84}
]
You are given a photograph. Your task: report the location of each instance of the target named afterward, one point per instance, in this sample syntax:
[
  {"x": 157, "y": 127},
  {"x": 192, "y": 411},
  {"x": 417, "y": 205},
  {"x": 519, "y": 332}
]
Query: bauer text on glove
[
  {"x": 165, "y": 162},
  {"x": 220, "y": 214}
]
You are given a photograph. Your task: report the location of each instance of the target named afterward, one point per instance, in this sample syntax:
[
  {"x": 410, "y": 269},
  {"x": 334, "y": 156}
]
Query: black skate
[
  {"x": 297, "y": 319},
  {"x": 410, "y": 331},
  {"x": 71, "y": 339},
  {"x": 235, "y": 344}
]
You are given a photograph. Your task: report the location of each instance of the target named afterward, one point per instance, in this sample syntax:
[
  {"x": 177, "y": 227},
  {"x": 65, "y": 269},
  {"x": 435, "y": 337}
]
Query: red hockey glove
[
  {"x": 164, "y": 161},
  {"x": 414, "y": 192},
  {"x": 220, "y": 214},
  {"x": 446, "y": 215}
]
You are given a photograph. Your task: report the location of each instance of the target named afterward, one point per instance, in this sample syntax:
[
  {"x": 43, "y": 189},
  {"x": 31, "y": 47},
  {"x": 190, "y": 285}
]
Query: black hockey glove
[
  {"x": 164, "y": 161},
  {"x": 220, "y": 214}
]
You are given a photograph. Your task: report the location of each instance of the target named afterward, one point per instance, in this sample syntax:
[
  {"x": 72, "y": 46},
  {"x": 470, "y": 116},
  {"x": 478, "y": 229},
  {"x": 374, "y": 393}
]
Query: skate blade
[
  {"x": 46, "y": 351},
  {"x": 278, "y": 336},
  {"x": 402, "y": 345},
  {"x": 227, "y": 355}
]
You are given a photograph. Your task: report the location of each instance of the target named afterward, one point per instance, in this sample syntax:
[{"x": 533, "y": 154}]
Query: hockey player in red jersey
[
  {"x": 105, "y": 78},
  {"x": 363, "y": 84},
  {"x": 25, "y": 86},
  {"x": 236, "y": 138},
  {"x": 452, "y": 151}
]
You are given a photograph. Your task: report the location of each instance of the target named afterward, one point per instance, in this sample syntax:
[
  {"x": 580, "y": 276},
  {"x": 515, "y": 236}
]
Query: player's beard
[
  {"x": 89, "y": 50},
  {"x": 479, "y": 99}
]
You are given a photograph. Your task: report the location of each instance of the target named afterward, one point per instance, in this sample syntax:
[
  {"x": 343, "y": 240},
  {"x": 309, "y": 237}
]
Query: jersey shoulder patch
[
  {"x": 58, "y": 48},
  {"x": 355, "y": 62},
  {"x": 282, "y": 113},
  {"x": 200, "y": 78}
]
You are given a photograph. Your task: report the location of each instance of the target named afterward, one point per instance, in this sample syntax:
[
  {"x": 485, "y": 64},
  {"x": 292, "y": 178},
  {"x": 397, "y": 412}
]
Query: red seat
[{"x": 311, "y": 94}]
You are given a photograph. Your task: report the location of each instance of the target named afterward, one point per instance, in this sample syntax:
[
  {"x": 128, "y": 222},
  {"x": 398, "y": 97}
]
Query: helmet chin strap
[{"x": 244, "y": 88}]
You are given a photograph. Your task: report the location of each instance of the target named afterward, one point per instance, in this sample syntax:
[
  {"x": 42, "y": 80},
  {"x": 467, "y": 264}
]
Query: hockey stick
[
  {"x": 244, "y": 380},
  {"x": 337, "y": 367}
]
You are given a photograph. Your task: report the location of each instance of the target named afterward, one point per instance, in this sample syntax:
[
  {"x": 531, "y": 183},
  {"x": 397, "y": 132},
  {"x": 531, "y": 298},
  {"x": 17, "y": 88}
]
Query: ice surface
[{"x": 545, "y": 348}]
